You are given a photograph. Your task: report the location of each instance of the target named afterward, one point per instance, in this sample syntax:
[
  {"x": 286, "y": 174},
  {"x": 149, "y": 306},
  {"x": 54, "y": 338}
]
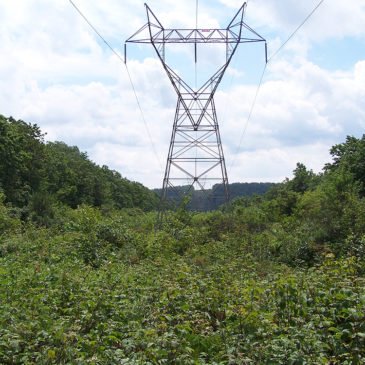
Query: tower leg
[{"x": 195, "y": 164}]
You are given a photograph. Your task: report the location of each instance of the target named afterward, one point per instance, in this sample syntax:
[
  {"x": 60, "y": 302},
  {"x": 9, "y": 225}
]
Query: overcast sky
[{"x": 54, "y": 71}]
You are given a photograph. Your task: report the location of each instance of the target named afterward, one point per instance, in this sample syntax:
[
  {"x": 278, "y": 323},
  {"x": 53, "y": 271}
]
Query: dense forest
[
  {"x": 85, "y": 278},
  {"x": 35, "y": 175}
]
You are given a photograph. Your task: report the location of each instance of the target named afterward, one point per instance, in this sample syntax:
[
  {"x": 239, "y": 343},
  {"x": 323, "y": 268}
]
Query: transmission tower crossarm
[
  {"x": 194, "y": 35},
  {"x": 187, "y": 36}
]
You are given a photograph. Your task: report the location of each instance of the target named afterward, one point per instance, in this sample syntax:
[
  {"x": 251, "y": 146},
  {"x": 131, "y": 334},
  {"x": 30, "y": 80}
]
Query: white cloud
[
  {"x": 299, "y": 106},
  {"x": 55, "y": 72},
  {"x": 335, "y": 18},
  {"x": 264, "y": 163}
]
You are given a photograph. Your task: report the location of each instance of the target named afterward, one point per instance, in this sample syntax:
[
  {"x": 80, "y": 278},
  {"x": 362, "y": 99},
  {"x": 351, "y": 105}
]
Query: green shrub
[{"x": 8, "y": 224}]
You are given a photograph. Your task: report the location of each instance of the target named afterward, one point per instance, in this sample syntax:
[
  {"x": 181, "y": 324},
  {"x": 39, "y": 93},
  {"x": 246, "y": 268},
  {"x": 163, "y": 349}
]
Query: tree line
[
  {"x": 311, "y": 214},
  {"x": 214, "y": 198},
  {"x": 36, "y": 175},
  {"x": 275, "y": 278},
  {"x": 270, "y": 279}
]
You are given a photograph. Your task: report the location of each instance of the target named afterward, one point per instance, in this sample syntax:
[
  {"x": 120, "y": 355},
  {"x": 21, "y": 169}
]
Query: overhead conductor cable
[{"x": 129, "y": 77}]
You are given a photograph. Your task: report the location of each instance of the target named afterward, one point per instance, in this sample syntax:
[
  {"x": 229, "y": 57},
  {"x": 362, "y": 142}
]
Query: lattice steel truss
[{"x": 195, "y": 157}]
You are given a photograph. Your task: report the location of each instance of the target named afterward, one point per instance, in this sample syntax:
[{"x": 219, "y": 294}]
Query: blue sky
[{"x": 54, "y": 71}]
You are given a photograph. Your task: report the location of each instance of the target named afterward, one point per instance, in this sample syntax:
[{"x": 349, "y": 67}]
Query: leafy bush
[
  {"x": 277, "y": 279},
  {"x": 8, "y": 224}
]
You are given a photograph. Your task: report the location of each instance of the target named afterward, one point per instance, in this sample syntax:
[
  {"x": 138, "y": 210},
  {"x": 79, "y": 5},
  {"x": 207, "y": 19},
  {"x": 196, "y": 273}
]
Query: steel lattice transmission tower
[{"x": 195, "y": 155}]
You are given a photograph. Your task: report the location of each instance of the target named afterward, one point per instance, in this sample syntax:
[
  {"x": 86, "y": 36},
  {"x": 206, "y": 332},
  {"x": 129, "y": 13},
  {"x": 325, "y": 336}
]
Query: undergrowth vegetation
[
  {"x": 276, "y": 279},
  {"x": 107, "y": 289}
]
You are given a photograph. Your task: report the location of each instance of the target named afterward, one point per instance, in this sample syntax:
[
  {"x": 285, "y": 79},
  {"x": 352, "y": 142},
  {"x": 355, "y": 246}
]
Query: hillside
[
  {"x": 212, "y": 199},
  {"x": 273, "y": 279},
  {"x": 35, "y": 175}
]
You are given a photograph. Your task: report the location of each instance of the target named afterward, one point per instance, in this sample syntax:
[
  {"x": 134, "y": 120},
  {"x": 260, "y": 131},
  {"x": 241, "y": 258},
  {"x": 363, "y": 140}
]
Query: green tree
[
  {"x": 21, "y": 159},
  {"x": 303, "y": 179},
  {"x": 34, "y": 175},
  {"x": 8, "y": 224},
  {"x": 351, "y": 157}
]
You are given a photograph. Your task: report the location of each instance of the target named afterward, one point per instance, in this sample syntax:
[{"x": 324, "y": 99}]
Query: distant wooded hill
[
  {"x": 34, "y": 175},
  {"x": 212, "y": 199}
]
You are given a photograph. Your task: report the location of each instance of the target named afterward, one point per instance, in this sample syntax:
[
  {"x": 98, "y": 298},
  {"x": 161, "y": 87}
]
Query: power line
[
  {"x": 263, "y": 74},
  {"x": 129, "y": 77},
  {"x": 143, "y": 117},
  {"x": 296, "y": 30},
  {"x": 95, "y": 30},
  {"x": 249, "y": 116}
]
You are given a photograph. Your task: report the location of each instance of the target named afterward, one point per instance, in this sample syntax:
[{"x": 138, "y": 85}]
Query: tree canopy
[{"x": 33, "y": 172}]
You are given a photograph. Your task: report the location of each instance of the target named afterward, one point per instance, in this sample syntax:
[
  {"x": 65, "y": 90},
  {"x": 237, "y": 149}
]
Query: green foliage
[
  {"x": 21, "y": 159},
  {"x": 8, "y": 224},
  {"x": 85, "y": 278},
  {"x": 303, "y": 179},
  {"x": 101, "y": 290},
  {"x": 74, "y": 180},
  {"x": 42, "y": 208},
  {"x": 350, "y": 156},
  {"x": 37, "y": 177},
  {"x": 298, "y": 220}
]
